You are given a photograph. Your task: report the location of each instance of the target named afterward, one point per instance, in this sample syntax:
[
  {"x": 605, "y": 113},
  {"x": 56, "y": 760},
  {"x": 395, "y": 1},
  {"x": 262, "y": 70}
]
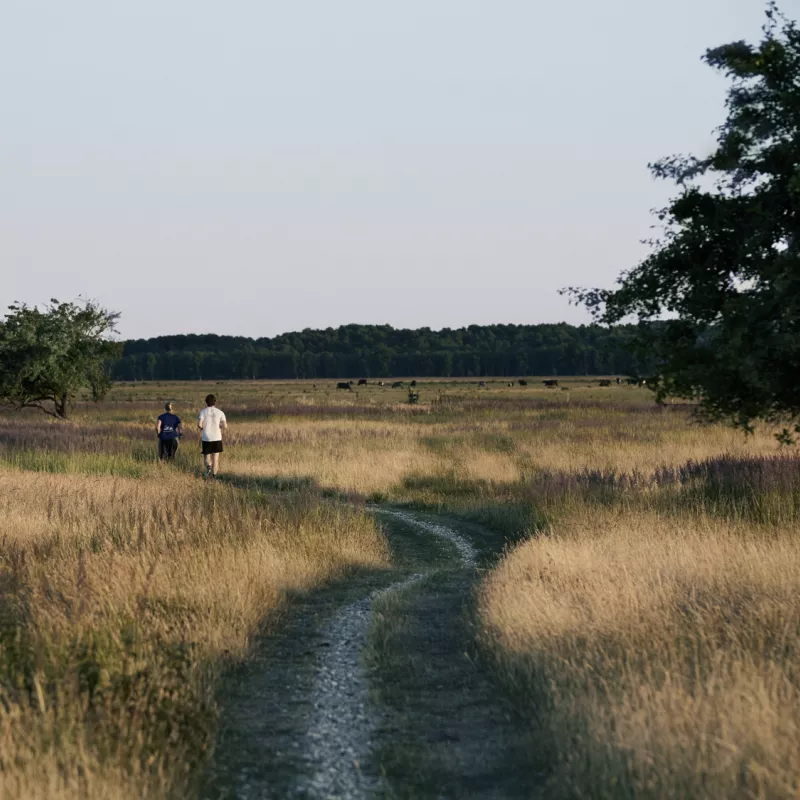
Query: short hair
[
  {"x": 211, "y": 400},
  {"x": 168, "y": 406}
]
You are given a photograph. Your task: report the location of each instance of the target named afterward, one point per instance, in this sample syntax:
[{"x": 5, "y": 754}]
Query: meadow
[{"x": 644, "y": 614}]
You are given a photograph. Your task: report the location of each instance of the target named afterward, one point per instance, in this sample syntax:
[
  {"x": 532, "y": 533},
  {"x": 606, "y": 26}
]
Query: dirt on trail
[{"x": 373, "y": 688}]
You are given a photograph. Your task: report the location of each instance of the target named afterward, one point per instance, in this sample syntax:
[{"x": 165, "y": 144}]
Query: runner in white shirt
[{"x": 212, "y": 422}]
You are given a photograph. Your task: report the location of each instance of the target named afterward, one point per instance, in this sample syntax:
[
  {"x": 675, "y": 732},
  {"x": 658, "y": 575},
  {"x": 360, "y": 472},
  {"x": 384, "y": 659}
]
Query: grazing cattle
[
  {"x": 413, "y": 383},
  {"x": 380, "y": 383},
  {"x": 522, "y": 382},
  {"x": 397, "y": 385},
  {"x": 481, "y": 384},
  {"x": 605, "y": 383},
  {"x": 510, "y": 383},
  {"x": 550, "y": 384},
  {"x": 619, "y": 381},
  {"x": 362, "y": 382},
  {"x": 344, "y": 385}
]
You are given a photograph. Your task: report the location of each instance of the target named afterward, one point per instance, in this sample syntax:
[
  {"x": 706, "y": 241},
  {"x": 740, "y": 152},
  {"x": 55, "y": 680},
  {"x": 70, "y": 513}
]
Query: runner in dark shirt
[{"x": 169, "y": 429}]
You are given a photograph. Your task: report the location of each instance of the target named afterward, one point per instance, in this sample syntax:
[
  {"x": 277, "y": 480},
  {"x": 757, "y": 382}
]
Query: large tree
[
  {"x": 722, "y": 282},
  {"x": 47, "y": 356}
]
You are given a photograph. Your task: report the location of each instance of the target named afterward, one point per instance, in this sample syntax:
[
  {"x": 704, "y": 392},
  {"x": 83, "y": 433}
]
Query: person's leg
[
  {"x": 207, "y": 458},
  {"x": 215, "y": 463},
  {"x": 161, "y": 449},
  {"x": 172, "y": 448}
]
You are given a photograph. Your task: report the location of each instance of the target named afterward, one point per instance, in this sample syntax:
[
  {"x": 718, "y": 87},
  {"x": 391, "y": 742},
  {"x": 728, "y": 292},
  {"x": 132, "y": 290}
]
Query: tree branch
[{"x": 41, "y": 408}]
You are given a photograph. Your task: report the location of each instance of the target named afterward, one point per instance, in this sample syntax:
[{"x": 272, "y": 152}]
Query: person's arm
[
  {"x": 223, "y": 421},
  {"x": 179, "y": 428},
  {"x": 158, "y": 427},
  {"x": 200, "y": 420}
]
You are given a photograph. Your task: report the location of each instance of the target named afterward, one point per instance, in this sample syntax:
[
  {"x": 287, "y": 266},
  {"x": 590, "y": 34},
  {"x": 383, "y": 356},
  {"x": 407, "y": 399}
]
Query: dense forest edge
[{"x": 381, "y": 351}]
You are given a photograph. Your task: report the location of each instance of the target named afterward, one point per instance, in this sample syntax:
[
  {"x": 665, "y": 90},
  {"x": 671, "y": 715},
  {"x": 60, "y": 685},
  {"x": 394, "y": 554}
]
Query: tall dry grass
[
  {"x": 659, "y": 655},
  {"x": 632, "y": 628},
  {"x": 504, "y": 449},
  {"x": 122, "y": 599}
]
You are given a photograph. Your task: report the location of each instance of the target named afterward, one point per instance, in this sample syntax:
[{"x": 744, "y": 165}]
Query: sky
[{"x": 255, "y": 167}]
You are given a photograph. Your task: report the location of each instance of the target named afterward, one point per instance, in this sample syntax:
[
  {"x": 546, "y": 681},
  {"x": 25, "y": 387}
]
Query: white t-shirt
[{"x": 212, "y": 421}]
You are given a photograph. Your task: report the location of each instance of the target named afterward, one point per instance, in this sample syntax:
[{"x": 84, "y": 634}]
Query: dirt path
[{"x": 368, "y": 689}]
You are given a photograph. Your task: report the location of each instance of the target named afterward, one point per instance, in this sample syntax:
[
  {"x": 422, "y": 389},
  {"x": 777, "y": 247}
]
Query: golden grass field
[{"x": 646, "y": 618}]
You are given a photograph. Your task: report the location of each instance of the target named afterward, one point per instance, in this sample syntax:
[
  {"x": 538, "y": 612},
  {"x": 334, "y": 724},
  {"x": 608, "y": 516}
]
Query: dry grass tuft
[{"x": 661, "y": 653}]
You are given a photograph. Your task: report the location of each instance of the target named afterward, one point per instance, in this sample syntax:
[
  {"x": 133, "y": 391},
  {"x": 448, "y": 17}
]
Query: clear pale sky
[{"x": 253, "y": 167}]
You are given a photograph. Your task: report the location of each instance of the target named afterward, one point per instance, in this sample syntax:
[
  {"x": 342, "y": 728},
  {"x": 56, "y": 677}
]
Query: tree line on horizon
[{"x": 381, "y": 351}]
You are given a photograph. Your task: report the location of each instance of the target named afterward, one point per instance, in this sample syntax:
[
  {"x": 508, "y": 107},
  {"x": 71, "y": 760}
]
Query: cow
[
  {"x": 481, "y": 384},
  {"x": 619, "y": 381},
  {"x": 605, "y": 383},
  {"x": 344, "y": 385},
  {"x": 362, "y": 381},
  {"x": 380, "y": 383},
  {"x": 397, "y": 385},
  {"x": 522, "y": 382},
  {"x": 413, "y": 383},
  {"x": 633, "y": 381},
  {"x": 510, "y": 384},
  {"x": 550, "y": 384}
]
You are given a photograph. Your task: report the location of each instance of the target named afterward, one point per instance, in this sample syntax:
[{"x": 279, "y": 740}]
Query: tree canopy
[
  {"x": 381, "y": 351},
  {"x": 724, "y": 275},
  {"x": 47, "y": 356}
]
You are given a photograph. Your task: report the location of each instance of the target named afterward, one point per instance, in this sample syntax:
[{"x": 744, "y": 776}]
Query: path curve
[{"x": 467, "y": 552}]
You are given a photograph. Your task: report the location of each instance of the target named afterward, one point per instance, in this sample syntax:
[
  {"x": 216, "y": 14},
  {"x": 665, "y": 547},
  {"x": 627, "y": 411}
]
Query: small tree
[
  {"x": 719, "y": 295},
  {"x": 47, "y": 356}
]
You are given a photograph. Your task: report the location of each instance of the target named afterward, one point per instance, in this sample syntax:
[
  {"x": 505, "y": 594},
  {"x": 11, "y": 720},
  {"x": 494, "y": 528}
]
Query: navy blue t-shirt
[{"x": 169, "y": 426}]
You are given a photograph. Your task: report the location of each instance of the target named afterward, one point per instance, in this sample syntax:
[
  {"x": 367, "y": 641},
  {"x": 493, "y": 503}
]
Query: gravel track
[
  {"x": 339, "y": 737},
  {"x": 340, "y": 734}
]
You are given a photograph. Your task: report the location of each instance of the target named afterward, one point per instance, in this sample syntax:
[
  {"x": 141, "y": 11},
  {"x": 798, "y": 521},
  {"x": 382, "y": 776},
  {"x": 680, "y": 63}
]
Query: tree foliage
[
  {"x": 725, "y": 273},
  {"x": 47, "y": 356}
]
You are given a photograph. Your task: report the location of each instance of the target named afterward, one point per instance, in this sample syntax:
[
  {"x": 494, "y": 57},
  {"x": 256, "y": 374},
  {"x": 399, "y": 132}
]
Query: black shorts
[
  {"x": 212, "y": 447},
  {"x": 167, "y": 448}
]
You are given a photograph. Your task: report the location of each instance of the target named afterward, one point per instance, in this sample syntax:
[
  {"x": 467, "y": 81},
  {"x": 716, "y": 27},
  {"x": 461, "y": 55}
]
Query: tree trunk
[{"x": 62, "y": 406}]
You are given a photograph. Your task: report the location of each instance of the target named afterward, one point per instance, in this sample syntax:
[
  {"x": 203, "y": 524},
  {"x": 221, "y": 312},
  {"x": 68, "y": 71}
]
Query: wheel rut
[
  {"x": 342, "y": 725},
  {"x": 300, "y": 719}
]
